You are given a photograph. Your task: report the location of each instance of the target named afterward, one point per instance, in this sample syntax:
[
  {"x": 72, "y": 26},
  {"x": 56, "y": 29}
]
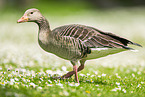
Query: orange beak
[{"x": 23, "y": 19}]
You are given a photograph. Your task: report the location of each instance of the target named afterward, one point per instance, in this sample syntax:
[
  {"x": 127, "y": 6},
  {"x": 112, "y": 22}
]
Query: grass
[
  {"x": 25, "y": 82},
  {"x": 26, "y": 70}
]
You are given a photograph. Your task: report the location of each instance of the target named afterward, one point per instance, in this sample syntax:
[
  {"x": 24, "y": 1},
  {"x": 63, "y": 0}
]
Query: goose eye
[{"x": 31, "y": 13}]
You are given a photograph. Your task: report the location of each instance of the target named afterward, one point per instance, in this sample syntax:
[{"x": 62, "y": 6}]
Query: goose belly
[
  {"x": 102, "y": 52},
  {"x": 65, "y": 52}
]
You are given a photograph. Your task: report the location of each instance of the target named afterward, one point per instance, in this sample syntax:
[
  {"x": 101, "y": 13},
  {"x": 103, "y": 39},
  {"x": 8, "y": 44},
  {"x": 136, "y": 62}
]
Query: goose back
[{"x": 91, "y": 37}]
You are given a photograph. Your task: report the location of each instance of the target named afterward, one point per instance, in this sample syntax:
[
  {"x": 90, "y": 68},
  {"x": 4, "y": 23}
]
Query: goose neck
[{"x": 43, "y": 25}]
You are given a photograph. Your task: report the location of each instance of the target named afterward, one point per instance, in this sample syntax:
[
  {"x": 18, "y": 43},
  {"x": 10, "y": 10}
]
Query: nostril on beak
[{"x": 22, "y": 19}]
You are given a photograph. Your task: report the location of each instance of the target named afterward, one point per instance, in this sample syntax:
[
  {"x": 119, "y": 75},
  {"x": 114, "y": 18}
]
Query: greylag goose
[{"x": 76, "y": 43}]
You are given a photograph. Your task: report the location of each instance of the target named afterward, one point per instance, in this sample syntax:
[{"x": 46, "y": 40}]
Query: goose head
[{"x": 31, "y": 15}]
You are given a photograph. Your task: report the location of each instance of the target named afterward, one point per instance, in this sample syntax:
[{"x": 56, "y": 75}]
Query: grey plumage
[
  {"x": 82, "y": 38},
  {"x": 75, "y": 42}
]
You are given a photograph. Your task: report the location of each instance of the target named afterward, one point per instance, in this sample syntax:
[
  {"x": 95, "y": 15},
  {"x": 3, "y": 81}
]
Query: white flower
[
  {"x": 23, "y": 70},
  {"x": 9, "y": 69},
  {"x": 11, "y": 83},
  {"x": 49, "y": 72},
  {"x": 32, "y": 84},
  {"x": 88, "y": 74},
  {"x": 39, "y": 87},
  {"x": 118, "y": 77},
  {"x": 49, "y": 85},
  {"x": 82, "y": 75},
  {"x": 63, "y": 68},
  {"x": 114, "y": 89},
  {"x": 26, "y": 86},
  {"x": 3, "y": 83},
  {"x": 97, "y": 85},
  {"x": 12, "y": 80},
  {"x": 92, "y": 75},
  {"x": 116, "y": 74},
  {"x": 49, "y": 81},
  {"x": 103, "y": 74},
  {"x": 28, "y": 80},
  {"x": 142, "y": 82},
  {"x": 9, "y": 75},
  {"x": 139, "y": 86},
  {"x": 77, "y": 84},
  {"x": 70, "y": 84},
  {"x": 119, "y": 88},
  {"x": 74, "y": 84},
  {"x": 133, "y": 75},
  {"x": 16, "y": 70},
  {"x": 41, "y": 79},
  {"x": 16, "y": 79},
  {"x": 3, "y": 72},
  {"x": 124, "y": 90},
  {"x": 91, "y": 81},
  {"x": 24, "y": 80},
  {"x": 96, "y": 72},
  {"x": 55, "y": 81},
  {"x": 59, "y": 84},
  {"x": 117, "y": 83}
]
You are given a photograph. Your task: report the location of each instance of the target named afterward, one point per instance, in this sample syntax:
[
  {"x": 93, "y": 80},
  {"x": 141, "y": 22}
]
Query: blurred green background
[
  {"x": 68, "y": 5},
  {"x": 122, "y": 17},
  {"x": 76, "y": 3}
]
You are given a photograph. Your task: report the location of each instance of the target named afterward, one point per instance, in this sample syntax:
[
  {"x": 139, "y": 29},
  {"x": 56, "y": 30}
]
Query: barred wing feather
[{"x": 93, "y": 38}]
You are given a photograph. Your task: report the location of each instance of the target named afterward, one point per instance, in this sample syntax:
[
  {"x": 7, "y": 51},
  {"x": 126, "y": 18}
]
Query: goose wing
[{"x": 93, "y": 38}]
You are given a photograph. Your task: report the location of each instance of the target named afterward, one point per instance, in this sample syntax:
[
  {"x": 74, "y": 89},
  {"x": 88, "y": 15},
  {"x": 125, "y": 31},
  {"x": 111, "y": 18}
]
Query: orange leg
[
  {"x": 76, "y": 73},
  {"x": 69, "y": 74}
]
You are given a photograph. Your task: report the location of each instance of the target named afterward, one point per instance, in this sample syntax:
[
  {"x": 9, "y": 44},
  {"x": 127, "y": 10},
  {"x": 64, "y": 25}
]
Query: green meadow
[{"x": 26, "y": 70}]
